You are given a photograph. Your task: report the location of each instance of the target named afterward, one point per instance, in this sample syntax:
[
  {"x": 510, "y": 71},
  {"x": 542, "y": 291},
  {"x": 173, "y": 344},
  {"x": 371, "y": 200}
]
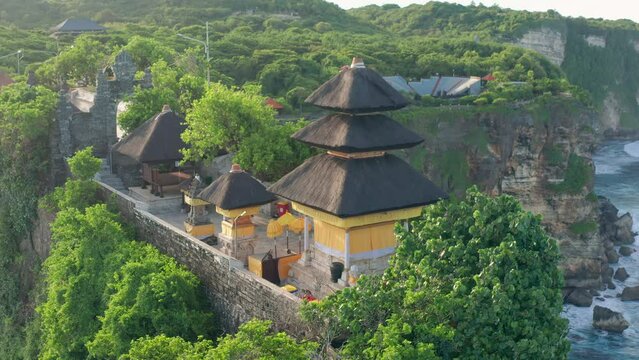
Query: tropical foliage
[
  {"x": 475, "y": 279},
  {"x": 25, "y": 115},
  {"x": 238, "y": 120},
  {"x": 103, "y": 289},
  {"x": 254, "y": 340}
]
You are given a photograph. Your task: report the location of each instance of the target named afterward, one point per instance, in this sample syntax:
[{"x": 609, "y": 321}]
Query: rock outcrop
[
  {"x": 595, "y": 40},
  {"x": 606, "y": 319},
  {"x": 519, "y": 154},
  {"x": 548, "y": 42},
  {"x": 579, "y": 297},
  {"x": 624, "y": 233},
  {"x": 621, "y": 274},
  {"x": 630, "y": 293},
  {"x": 612, "y": 256},
  {"x": 626, "y": 250},
  {"x": 614, "y": 229}
]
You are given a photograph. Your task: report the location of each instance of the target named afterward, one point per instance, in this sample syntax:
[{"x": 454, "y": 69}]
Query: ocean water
[{"x": 617, "y": 178}]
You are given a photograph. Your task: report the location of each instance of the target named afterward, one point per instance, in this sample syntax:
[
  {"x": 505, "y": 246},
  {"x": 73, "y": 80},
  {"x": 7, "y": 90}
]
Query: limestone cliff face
[
  {"x": 528, "y": 156},
  {"x": 548, "y": 42},
  {"x": 602, "y": 61}
]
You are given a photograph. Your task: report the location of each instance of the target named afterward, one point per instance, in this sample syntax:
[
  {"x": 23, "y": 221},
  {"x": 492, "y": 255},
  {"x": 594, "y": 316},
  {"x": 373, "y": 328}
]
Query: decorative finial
[
  {"x": 166, "y": 108},
  {"x": 357, "y": 63},
  {"x": 236, "y": 168}
]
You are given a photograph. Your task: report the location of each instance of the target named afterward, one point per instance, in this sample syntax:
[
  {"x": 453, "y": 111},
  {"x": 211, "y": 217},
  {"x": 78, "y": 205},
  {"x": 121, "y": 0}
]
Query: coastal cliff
[
  {"x": 603, "y": 60},
  {"x": 540, "y": 153}
]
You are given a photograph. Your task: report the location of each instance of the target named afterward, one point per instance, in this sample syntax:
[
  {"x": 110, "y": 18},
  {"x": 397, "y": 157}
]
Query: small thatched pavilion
[
  {"x": 155, "y": 147},
  {"x": 356, "y": 191},
  {"x": 237, "y": 196}
]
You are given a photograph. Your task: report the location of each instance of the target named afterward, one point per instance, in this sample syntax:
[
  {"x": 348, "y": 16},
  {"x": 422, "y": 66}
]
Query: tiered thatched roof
[
  {"x": 348, "y": 133},
  {"x": 157, "y": 140},
  {"x": 357, "y": 177},
  {"x": 357, "y": 90},
  {"x": 236, "y": 189},
  {"x": 346, "y": 187}
]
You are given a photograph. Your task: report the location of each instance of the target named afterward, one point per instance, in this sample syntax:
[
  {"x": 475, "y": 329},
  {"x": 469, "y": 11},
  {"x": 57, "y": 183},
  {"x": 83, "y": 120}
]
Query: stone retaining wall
[{"x": 236, "y": 294}]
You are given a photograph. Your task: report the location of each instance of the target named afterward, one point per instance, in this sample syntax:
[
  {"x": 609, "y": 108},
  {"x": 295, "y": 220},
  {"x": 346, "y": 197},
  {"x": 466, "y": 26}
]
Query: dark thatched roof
[
  {"x": 155, "y": 141},
  {"x": 77, "y": 26},
  {"x": 356, "y": 187},
  {"x": 357, "y": 90},
  {"x": 236, "y": 189},
  {"x": 348, "y": 133}
]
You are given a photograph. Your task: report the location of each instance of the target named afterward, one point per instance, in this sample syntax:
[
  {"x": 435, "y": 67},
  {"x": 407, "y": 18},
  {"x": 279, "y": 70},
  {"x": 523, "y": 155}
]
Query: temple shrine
[
  {"x": 356, "y": 191},
  {"x": 237, "y": 196}
]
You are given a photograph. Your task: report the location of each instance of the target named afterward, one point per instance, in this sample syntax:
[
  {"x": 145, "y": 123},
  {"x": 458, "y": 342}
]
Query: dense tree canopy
[
  {"x": 25, "y": 117},
  {"x": 475, "y": 279},
  {"x": 253, "y": 341},
  {"x": 103, "y": 289},
  {"x": 238, "y": 120}
]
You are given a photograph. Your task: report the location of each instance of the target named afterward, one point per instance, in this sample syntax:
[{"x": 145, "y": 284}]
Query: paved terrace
[{"x": 170, "y": 209}]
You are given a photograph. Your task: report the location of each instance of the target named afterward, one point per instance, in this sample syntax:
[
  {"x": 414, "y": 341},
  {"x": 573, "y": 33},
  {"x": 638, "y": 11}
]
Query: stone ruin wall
[
  {"x": 74, "y": 130},
  {"x": 236, "y": 294}
]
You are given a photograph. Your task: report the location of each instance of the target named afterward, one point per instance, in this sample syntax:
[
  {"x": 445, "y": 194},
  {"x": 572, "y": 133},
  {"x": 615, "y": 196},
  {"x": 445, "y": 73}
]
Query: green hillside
[{"x": 609, "y": 73}]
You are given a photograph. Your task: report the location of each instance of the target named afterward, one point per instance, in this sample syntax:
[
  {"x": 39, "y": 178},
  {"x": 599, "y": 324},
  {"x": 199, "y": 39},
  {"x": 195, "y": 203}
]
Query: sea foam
[{"x": 632, "y": 149}]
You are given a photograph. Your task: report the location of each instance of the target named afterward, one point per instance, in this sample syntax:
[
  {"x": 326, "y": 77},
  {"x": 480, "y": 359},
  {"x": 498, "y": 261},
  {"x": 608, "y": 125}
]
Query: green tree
[
  {"x": 162, "y": 347},
  {"x": 223, "y": 118},
  {"x": 80, "y": 191},
  {"x": 82, "y": 60},
  {"x": 254, "y": 340},
  {"x": 146, "y": 51},
  {"x": 87, "y": 250},
  {"x": 143, "y": 104},
  {"x": 25, "y": 117},
  {"x": 151, "y": 295},
  {"x": 475, "y": 279},
  {"x": 271, "y": 153},
  {"x": 84, "y": 165}
]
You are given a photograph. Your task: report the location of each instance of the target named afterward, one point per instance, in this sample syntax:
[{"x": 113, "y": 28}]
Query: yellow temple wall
[
  {"x": 240, "y": 231},
  {"x": 373, "y": 237},
  {"x": 194, "y": 201},
  {"x": 362, "y": 239},
  {"x": 360, "y": 220},
  {"x": 330, "y": 236},
  {"x": 199, "y": 230}
]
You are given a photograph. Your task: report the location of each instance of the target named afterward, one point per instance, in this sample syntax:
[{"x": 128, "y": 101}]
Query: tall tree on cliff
[
  {"x": 238, "y": 120},
  {"x": 475, "y": 279}
]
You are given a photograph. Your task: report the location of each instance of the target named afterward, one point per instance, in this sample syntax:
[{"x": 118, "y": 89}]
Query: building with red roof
[{"x": 274, "y": 104}]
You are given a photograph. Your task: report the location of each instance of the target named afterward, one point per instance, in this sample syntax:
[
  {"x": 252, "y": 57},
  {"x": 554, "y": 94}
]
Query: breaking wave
[{"x": 632, "y": 149}]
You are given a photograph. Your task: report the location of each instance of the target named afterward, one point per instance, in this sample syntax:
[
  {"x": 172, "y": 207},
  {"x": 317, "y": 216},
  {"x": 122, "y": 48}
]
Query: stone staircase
[{"x": 105, "y": 176}]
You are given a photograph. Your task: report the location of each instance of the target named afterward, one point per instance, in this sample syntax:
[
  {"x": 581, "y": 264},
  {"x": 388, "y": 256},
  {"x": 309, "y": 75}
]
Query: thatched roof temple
[
  {"x": 355, "y": 192},
  {"x": 236, "y": 189},
  {"x": 237, "y": 196},
  {"x": 351, "y": 133},
  {"x": 157, "y": 140},
  {"x": 357, "y": 90},
  {"x": 356, "y": 176}
]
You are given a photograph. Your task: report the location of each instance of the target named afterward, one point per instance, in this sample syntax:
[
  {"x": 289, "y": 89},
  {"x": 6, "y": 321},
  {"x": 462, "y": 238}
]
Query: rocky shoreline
[{"x": 615, "y": 231}]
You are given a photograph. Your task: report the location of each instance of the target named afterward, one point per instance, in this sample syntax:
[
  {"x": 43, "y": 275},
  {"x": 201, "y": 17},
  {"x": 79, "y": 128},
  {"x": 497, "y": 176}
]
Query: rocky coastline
[{"x": 615, "y": 233}]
